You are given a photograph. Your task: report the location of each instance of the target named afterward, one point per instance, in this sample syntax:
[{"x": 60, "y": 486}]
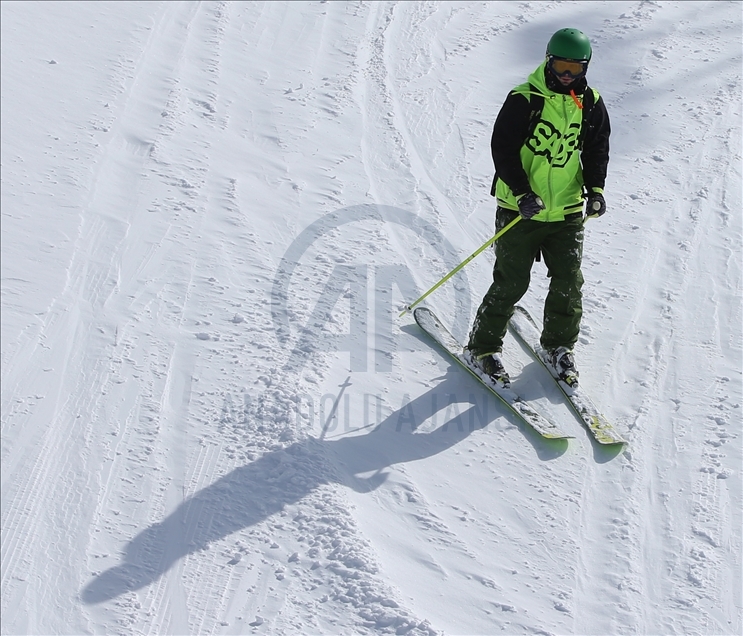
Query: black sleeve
[
  {"x": 509, "y": 134},
  {"x": 595, "y": 155}
]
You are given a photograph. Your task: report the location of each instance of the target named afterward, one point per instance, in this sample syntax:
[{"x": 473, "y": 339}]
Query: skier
[{"x": 550, "y": 147}]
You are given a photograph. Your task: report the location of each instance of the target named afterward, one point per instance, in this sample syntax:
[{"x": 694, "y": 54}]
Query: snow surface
[{"x": 214, "y": 419}]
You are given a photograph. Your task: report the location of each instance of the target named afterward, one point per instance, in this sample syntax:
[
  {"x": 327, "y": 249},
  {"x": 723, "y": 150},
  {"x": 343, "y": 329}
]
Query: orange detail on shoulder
[{"x": 578, "y": 103}]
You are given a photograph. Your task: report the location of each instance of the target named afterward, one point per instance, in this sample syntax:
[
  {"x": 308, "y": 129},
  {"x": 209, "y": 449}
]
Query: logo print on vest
[{"x": 547, "y": 141}]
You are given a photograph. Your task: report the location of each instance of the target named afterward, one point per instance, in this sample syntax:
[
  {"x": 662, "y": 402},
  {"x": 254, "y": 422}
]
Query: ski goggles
[{"x": 560, "y": 66}]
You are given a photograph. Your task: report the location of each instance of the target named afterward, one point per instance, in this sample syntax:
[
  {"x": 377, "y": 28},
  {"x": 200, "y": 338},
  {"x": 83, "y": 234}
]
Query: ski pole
[{"x": 478, "y": 251}]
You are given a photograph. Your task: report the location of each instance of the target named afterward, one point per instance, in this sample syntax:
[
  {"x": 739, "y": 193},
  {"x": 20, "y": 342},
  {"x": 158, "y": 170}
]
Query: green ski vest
[{"x": 551, "y": 153}]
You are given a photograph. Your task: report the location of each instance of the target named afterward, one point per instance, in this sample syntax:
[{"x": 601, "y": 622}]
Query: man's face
[{"x": 566, "y": 71}]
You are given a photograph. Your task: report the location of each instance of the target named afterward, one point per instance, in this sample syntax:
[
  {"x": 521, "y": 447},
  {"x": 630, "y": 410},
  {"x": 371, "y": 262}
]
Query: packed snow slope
[{"x": 214, "y": 420}]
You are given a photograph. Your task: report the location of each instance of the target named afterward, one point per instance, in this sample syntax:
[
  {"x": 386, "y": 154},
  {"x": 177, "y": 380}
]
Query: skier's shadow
[{"x": 250, "y": 494}]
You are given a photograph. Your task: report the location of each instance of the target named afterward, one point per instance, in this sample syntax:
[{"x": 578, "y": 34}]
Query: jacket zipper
[{"x": 563, "y": 132}]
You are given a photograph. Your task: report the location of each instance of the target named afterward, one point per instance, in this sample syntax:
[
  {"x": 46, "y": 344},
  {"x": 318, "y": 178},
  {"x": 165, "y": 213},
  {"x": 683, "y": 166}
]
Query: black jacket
[{"x": 514, "y": 124}]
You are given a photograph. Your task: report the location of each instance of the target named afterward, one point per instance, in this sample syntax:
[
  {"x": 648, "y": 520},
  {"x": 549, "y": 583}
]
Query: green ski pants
[{"x": 561, "y": 246}]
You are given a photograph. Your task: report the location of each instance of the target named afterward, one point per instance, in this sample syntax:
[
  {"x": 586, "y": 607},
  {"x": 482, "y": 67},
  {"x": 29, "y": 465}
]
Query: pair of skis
[{"x": 524, "y": 327}]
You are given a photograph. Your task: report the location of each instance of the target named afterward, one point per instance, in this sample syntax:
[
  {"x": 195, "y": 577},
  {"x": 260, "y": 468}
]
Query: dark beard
[{"x": 579, "y": 85}]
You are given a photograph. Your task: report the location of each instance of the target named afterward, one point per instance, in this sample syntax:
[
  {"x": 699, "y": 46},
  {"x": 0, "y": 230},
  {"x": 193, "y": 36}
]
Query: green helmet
[{"x": 570, "y": 44}]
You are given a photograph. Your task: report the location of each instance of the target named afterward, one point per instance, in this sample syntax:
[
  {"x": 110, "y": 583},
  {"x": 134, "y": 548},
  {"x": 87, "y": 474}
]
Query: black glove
[
  {"x": 595, "y": 204},
  {"x": 529, "y": 205}
]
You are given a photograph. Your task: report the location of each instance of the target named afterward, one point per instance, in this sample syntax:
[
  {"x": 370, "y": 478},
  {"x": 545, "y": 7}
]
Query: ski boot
[
  {"x": 561, "y": 362},
  {"x": 489, "y": 366}
]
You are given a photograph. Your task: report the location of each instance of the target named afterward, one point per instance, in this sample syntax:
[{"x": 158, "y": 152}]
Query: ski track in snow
[{"x": 201, "y": 436}]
